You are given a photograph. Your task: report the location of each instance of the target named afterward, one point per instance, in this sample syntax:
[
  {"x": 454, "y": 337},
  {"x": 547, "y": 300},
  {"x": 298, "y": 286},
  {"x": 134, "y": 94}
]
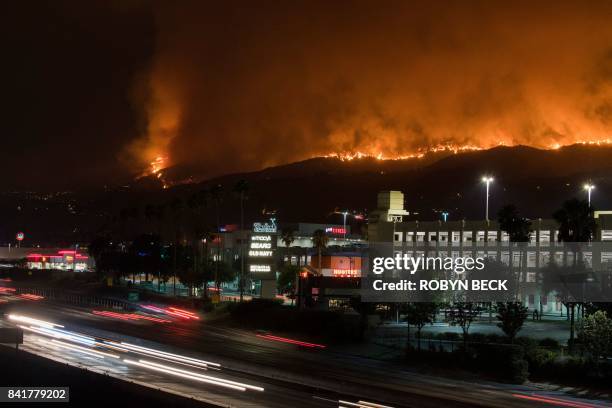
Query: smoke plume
[{"x": 242, "y": 85}]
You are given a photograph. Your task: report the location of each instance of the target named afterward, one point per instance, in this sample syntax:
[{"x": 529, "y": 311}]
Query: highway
[{"x": 230, "y": 367}]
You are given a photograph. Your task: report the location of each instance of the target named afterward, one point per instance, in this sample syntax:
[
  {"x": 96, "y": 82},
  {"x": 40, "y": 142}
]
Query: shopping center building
[
  {"x": 46, "y": 259},
  {"x": 268, "y": 245}
]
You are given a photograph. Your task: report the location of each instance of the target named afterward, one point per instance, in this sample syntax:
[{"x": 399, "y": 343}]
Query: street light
[
  {"x": 76, "y": 250},
  {"x": 344, "y": 214},
  {"x": 589, "y": 188},
  {"x": 487, "y": 180}
]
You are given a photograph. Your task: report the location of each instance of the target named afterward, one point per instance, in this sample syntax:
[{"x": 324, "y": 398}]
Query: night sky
[{"x": 93, "y": 91}]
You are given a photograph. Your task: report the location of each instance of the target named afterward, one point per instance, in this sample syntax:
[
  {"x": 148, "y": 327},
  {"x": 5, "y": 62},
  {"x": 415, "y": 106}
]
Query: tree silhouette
[
  {"x": 419, "y": 314},
  {"x": 519, "y": 231},
  {"x": 511, "y": 317},
  {"x": 288, "y": 236},
  {"x": 576, "y": 226},
  {"x": 241, "y": 188},
  {"x": 320, "y": 241},
  {"x": 462, "y": 314}
]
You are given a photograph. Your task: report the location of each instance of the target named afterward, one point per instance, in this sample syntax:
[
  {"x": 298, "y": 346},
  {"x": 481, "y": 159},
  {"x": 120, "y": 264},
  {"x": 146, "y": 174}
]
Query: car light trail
[
  {"x": 208, "y": 377},
  {"x": 152, "y": 319},
  {"x": 361, "y": 404},
  {"x": 556, "y": 401},
  {"x": 290, "y": 341},
  {"x": 128, "y": 316},
  {"x": 372, "y": 405},
  {"x": 30, "y": 296},
  {"x": 188, "y": 376},
  {"x": 178, "y": 314},
  {"x": 153, "y": 308},
  {"x": 60, "y": 335},
  {"x": 122, "y": 316},
  {"x": 78, "y": 338},
  {"x": 186, "y": 313},
  {"x": 247, "y": 386},
  {"x": 121, "y": 349},
  {"x": 51, "y": 329},
  {"x": 172, "y": 311},
  {"x": 35, "y": 322},
  {"x": 6, "y": 290},
  {"x": 169, "y": 356},
  {"x": 158, "y": 357},
  {"x": 68, "y": 346}
]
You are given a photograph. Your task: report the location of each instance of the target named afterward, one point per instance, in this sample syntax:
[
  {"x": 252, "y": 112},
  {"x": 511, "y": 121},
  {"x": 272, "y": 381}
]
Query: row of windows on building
[
  {"x": 543, "y": 237},
  {"x": 531, "y": 259}
]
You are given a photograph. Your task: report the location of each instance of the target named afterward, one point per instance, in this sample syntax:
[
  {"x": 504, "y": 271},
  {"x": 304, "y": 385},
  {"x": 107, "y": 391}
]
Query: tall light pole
[
  {"x": 344, "y": 214},
  {"x": 487, "y": 180},
  {"x": 76, "y": 249},
  {"x": 589, "y": 187},
  {"x": 445, "y": 216}
]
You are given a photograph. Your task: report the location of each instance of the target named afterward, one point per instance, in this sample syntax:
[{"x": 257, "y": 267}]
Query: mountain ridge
[{"x": 535, "y": 179}]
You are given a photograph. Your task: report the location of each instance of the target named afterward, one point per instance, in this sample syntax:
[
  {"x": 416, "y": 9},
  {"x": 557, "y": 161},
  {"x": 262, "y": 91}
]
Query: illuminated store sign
[
  {"x": 265, "y": 227},
  {"x": 262, "y": 238},
  {"x": 335, "y": 230},
  {"x": 262, "y": 247},
  {"x": 267, "y": 254},
  {"x": 346, "y": 273},
  {"x": 260, "y": 268}
]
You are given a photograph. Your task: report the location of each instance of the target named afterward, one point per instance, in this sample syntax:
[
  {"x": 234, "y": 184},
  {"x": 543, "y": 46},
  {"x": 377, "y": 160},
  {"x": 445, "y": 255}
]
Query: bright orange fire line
[
  {"x": 420, "y": 153},
  {"x": 160, "y": 163}
]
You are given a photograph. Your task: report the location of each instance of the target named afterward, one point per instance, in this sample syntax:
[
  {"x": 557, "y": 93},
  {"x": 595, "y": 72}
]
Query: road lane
[
  {"x": 125, "y": 360},
  {"x": 290, "y": 375}
]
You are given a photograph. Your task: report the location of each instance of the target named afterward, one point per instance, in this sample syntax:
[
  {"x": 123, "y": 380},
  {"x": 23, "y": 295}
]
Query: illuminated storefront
[
  {"x": 65, "y": 260},
  {"x": 342, "y": 265}
]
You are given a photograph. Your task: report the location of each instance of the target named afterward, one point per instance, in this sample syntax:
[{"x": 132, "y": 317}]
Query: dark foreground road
[{"x": 229, "y": 367}]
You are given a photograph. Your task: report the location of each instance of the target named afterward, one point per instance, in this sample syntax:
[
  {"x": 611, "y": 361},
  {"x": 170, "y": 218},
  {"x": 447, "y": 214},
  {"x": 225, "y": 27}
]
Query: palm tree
[
  {"x": 576, "y": 225},
  {"x": 176, "y": 206},
  {"x": 124, "y": 216},
  {"x": 196, "y": 202},
  {"x": 241, "y": 188},
  {"x": 518, "y": 229},
  {"x": 320, "y": 240},
  {"x": 99, "y": 249},
  {"x": 216, "y": 194},
  {"x": 149, "y": 213},
  {"x": 160, "y": 211},
  {"x": 205, "y": 263},
  {"x": 288, "y": 236},
  {"x": 155, "y": 213}
]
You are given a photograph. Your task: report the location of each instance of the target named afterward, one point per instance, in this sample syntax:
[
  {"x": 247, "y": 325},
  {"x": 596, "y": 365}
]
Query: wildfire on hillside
[
  {"x": 157, "y": 166},
  {"x": 455, "y": 149}
]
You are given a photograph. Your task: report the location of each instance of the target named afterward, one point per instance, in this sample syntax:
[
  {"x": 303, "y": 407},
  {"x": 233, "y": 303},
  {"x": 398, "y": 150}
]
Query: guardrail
[{"x": 76, "y": 299}]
